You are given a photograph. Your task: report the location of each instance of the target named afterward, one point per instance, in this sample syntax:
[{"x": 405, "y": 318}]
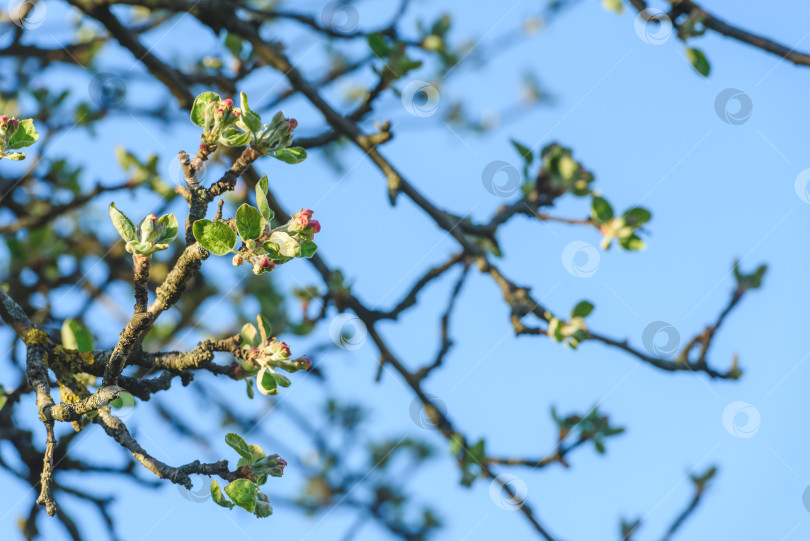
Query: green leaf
[
  {"x": 15, "y": 156},
  {"x": 286, "y": 244},
  {"x": 234, "y": 138},
  {"x": 3, "y": 397},
  {"x": 290, "y": 155},
  {"x": 264, "y": 327},
  {"x": 250, "y": 336},
  {"x": 698, "y": 61},
  {"x": 243, "y": 493},
  {"x": 613, "y": 5},
  {"x": 442, "y": 25},
  {"x": 582, "y": 309},
  {"x": 249, "y": 222},
  {"x": 218, "y": 497},
  {"x": 216, "y": 237},
  {"x": 377, "y": 44},
  {"x": 282, "y": 380},
  {"x": 25, "y": 136},
  {"x": 308, "y": 248},
  {"x": 256, "y": 453},
  {"x": 632, "y": 242},
  {"x": 524, "y": 151},
  {"x": 267, "y": 383},
  {"x": 236, "y": 442},
  {"x": 637, "y": 216},
  {"x": 601, "y": 211},
  {"x": 198, "y": 108},
  {"x": 252, "y": 120},
  {"x": 170, "y": 228},
  {"x": 749, "y": 281},
  {"x": 261, "y": 199},
  {"x": 234, "y": 44},
  {"x": 122, "y": 224},
  {"x": 76, "y": 336}
]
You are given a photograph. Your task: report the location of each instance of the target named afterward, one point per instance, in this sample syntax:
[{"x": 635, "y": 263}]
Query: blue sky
[{"x": 638, "y": 117}]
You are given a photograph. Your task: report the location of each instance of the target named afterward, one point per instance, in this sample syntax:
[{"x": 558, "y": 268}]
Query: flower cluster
[
  {"x": 16, "y": 134},
  {"x": 280, "y": 245},
  {"x": 265, "y": 355},
  {"x": 273, "y": 355},
  {"x": 218, "y": 121},
  {"x": 225, "y": 124},
  {"x": 276, "y": 135}
]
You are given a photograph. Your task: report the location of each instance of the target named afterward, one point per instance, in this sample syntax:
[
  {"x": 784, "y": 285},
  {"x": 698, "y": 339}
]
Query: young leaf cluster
[
  {"x": 153, "y": 235},
  {"x": 245, "y": 492}
]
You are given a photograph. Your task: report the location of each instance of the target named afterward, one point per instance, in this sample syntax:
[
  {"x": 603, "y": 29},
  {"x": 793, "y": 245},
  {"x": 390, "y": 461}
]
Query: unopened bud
[
  {"x": 301, "y": 219},
  {"x": 238, "y": 260},
  {"x": 150, "y": 229},
  {"x": 265, "y": 263},
  {"x": 7, "y": 126}
]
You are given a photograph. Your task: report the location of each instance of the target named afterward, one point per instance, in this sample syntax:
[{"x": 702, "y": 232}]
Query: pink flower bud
[
  {"x": 282, "y": 464},
  {"x": 292, "y": 124},
  {"x": 7, "y": 126},
  {"x": 303, "y": 217},
  {"x": 277, "y": 347},
  {"x": 315, "y": 225},
  {"x": 307, "y": 362},
  {"x": 265, "y": 263},
  {"x": 152, "y": 217},
  {"x": 226, "y": 103},
  {"x": 238, "y": 260}
]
